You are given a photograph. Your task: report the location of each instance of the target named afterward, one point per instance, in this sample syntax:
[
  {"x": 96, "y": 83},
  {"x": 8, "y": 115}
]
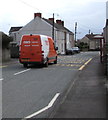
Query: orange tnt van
[{"x": 37, "y": 49}]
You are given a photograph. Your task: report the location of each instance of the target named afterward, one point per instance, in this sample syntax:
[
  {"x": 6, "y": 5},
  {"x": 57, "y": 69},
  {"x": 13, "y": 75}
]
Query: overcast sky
[{"x": 89, "y": 14}]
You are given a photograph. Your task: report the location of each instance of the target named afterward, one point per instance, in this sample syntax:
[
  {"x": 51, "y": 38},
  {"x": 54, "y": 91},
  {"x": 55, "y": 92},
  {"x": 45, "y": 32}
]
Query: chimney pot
[
  {"x": 51, "y": 19},
  {"x": 60, "y": 22}
]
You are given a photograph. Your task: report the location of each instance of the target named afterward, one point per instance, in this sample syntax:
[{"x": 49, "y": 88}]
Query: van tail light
[{"x": 42, "y": 57}]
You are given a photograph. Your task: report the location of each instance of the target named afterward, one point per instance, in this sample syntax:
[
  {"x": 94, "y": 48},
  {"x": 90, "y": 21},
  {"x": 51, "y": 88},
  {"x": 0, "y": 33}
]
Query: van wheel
[
  {"x": 25, "y": 65},
  {"x": 46, "y": 63},
  {"x": 55, "y": 62}
]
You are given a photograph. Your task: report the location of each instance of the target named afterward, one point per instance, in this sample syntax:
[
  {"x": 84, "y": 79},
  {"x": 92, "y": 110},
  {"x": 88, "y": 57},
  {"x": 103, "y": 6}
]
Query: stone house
[{"x": 93, "y": 43}]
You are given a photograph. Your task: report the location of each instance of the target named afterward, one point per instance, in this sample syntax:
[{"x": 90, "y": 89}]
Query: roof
[
  {"x": 92, "y": 36},
  {"x": 60, "y": 27},
  {"x": 13, "y": 29}
]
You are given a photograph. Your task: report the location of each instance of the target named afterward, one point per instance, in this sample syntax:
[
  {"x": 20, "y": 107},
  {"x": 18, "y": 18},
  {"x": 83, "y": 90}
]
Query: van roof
[
  {"x": 27, "y": 35},
  {"x": 36, "y": 35}
]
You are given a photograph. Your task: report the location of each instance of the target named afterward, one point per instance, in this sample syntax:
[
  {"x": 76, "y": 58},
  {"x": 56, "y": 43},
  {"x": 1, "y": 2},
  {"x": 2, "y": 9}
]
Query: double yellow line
[
  {"x": 85, "y": 64},
  {"x": 3, "y": 66}
]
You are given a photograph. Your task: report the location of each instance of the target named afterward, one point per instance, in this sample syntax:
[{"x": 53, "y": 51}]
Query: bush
[{"x": 83, "y": 45}]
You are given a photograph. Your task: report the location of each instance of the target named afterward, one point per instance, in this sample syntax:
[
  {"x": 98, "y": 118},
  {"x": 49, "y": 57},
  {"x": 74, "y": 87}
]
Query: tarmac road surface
[{"x": 32, "y": 92}]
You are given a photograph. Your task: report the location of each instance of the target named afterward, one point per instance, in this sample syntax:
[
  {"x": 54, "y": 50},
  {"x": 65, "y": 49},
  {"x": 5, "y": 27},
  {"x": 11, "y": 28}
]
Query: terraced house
[
  {"x": 63, "y": 38},
  {"x": 93, "y": 43}
]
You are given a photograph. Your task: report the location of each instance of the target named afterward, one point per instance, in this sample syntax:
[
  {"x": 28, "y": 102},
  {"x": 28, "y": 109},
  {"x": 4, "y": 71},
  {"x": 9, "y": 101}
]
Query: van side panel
[
  {"x": 45, "y": 46},
  {"x": 52, "y": 52}
]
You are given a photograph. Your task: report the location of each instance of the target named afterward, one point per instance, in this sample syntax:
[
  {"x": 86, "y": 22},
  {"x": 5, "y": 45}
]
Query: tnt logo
[{"x": 46, "y": 42}]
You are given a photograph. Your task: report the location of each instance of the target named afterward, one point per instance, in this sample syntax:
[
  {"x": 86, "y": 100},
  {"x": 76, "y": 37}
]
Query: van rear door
[{"x": 31, "y": 48}]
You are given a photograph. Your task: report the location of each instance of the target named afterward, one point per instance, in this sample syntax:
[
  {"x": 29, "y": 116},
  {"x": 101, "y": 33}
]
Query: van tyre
[
  {"x": 55, "y": 62},
  {"x": 46, "y": 63},
  {"x": 25, "y": 65}
]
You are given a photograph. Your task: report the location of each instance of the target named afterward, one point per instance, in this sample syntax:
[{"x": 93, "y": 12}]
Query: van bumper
[{"x": 31, "y": 62}]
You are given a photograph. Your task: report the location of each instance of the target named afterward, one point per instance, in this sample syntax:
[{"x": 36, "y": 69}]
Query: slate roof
[
  {"x": 13, "y": 29},
  {"x": 91, "y": 36},
  {"x": 60, "y": 27}
]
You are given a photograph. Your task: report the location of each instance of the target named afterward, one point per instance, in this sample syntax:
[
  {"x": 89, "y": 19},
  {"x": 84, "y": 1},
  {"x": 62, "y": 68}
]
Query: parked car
[
  {"x": 69, "y": 52},
  {"x": 75, "y": 49}
]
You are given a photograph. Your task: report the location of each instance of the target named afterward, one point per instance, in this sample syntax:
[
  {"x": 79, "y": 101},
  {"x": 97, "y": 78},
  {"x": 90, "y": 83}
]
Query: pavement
[
  {"x": 87, "y": 97},
  {"x": 11, "y": 61}
]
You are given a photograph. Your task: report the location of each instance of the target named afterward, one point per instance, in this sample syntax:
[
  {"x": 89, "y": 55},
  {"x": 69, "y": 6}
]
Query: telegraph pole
[
  {"x": 53, "y": 28},
  {"x": 75, "y": 30},
  {"x": 89, "y": 31}
]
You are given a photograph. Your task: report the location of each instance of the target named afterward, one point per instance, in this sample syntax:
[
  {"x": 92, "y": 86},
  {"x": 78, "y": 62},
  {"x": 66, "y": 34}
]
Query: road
[{"x": 29, "y": 92}]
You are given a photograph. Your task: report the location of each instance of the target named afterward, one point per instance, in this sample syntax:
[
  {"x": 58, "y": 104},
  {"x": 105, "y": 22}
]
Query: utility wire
[
  {"x": 81, "y": 26},
  {"x": 33, "y": 7},
  {"x": 27, "y": 4}
]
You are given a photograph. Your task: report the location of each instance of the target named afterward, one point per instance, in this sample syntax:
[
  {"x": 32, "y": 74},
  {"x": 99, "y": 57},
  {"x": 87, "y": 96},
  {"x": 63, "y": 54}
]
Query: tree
[{"x": 83, "y": 45}]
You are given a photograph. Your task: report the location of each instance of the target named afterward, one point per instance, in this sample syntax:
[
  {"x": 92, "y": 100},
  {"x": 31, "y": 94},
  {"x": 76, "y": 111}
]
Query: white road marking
[
  {"x": 45, "y": 108},
  {"x": 1, "y": 79},
  {"x": 53, "y": 100},
  {"x": 22, "y": 71},
  {"x": 3, "y": 66}
]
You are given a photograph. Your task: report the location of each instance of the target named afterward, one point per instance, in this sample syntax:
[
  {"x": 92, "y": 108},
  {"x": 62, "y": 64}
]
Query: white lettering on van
[
  {"x": 35, "y": 42},
  {"x": 27, "y": 42},
  {"x": 26, "y": 45},
  {"x": 35, "y": 45}
]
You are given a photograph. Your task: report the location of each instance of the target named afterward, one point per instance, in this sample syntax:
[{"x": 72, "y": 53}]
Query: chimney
[
  {"x": 51, "y": 19},
  {"x": 60, "y": 22},
  {"x": 37, "y": 15}
]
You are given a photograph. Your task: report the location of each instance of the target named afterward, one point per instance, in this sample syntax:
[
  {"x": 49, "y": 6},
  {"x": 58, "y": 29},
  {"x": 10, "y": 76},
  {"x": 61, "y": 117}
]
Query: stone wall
[
  {"x": 5, "y": 54},
  {"x": 4, "y": 47}
]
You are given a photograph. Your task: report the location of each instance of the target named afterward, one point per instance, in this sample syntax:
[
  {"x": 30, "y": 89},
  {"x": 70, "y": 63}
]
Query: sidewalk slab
[
  {"x": 11, "y": 61},
  {"x": 87, "y": 98}
]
